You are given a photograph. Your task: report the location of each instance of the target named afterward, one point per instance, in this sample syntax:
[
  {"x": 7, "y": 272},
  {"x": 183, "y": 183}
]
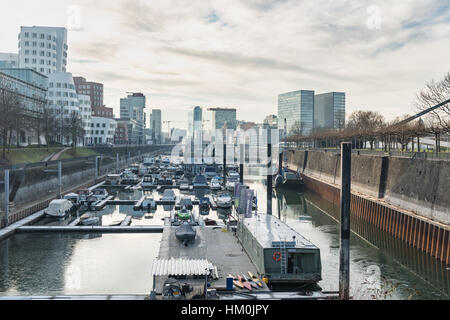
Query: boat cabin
[{"x": 278, "y": 251}]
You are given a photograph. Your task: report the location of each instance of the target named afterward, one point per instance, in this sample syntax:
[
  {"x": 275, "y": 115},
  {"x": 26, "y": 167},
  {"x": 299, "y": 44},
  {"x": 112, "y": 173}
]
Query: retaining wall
[{"x": 420, "y": 186}]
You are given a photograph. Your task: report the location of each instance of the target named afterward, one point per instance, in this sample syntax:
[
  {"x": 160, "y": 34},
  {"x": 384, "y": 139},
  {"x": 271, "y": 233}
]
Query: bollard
[
  {"x": 344, "y": 254},
  {"x": 59, "y": 180}
]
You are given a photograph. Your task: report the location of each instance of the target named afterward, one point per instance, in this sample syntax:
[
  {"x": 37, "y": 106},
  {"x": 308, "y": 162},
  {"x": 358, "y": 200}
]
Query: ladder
[{"x": 283, "y": 252}]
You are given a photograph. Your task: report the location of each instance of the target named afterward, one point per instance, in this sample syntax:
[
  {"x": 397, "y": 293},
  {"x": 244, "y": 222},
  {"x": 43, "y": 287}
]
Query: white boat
[
  {"x": 100, "y": 193},
  {"x": 113, "y": 179},
  {"x": 210, "y": 172},
  {"x": 215, "y": 184},
  {"x": 184, "y": 185},
  {"x": 59, "y": 208},
  {"x": 149, "y": 161},
  {"x": 88, "y": 219},
  {"x": 224, "y": 200},
  {"x": 74, "y": 198},
  {"x": 147, "y": 182},
  {"x": 232, "y": 178}
]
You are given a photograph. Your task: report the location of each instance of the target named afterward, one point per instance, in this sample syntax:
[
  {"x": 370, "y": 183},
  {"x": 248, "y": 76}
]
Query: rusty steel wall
[{"x": 428, "y": 236}]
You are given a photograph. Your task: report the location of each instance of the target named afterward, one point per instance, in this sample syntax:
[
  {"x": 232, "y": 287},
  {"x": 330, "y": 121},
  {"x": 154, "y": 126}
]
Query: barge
[{"x": 279, "y": 252}]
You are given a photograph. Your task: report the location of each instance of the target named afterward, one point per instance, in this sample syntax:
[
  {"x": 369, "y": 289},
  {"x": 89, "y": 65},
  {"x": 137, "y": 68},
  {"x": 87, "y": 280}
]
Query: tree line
[{"x": 34, "y": 117}]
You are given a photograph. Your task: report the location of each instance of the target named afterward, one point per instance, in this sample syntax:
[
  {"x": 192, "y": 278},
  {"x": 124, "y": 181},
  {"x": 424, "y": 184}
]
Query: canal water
[{"x": 71, "y": 264}]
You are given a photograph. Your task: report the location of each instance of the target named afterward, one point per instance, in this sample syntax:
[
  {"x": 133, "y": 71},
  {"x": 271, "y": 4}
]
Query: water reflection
[{"x": 416, "y": 274}]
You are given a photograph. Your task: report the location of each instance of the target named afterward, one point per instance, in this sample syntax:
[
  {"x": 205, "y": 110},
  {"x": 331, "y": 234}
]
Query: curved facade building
[
  {"x": 43, "y": 49},
  {"x": 63, "y": 99}
]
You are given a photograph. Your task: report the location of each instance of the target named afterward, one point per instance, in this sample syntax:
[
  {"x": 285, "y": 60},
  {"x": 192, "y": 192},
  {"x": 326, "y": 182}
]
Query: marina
[{"x": 221, "y": 237}]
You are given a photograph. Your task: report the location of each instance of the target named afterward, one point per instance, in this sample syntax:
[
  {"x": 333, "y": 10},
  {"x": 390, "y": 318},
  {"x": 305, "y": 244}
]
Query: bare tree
[{"x": 74, "y": 128}]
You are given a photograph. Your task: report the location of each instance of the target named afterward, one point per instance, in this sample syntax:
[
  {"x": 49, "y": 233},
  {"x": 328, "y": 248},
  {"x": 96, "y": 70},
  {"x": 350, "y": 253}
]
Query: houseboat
[{"x": 279, "y": 252}]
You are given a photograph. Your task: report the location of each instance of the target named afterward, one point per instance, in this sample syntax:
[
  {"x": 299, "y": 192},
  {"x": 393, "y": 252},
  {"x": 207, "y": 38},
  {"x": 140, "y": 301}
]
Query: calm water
[{"x": 57, "y": 264}]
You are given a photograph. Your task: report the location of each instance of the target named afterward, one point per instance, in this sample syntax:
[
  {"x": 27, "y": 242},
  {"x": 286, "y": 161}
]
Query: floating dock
[
  {"x": 97, "y": 229},
  {"x": 215, "y": 244}
]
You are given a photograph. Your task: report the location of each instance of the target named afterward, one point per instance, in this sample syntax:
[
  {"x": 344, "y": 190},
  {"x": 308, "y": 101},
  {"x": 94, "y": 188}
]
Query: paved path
[{"x": 58, "y": 154}]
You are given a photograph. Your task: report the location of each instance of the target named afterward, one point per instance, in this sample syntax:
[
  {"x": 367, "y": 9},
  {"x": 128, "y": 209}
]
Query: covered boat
[{"x": 185, "y": 233}]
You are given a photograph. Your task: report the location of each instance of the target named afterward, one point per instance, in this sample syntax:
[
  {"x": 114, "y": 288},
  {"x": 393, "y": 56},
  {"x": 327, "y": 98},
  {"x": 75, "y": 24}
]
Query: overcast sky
[{"x": 243, "y": 53}]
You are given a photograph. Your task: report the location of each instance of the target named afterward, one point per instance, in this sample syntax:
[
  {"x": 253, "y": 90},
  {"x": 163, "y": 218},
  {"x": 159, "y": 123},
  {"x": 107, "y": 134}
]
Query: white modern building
[
  {"x": 43, "y": 49},
  {"x": 63, "y": 100},
  {"x": 103, "y": 130},
  {"x": 84, "y": 103}
]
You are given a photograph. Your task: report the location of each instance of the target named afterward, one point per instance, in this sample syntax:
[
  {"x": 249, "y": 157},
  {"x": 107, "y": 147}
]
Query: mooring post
[
  {"x": 59, "y": 180},
  {"x": 241, "y": 165},
  {"x": 117, "y": 163},
  {"x": 344, "y": 254},
  {"x": 96, "y": 169},
  {"x": 6, "y": 197},
  {"x": 269, "y": 178},
  {"x": 224, "y": 164},
  {"x": 280, "y": 163}
]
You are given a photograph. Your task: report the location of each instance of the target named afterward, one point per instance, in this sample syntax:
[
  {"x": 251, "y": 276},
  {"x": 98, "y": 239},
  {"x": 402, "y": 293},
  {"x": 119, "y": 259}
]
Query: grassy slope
[
  {"x": 78, "y": 152},
  {"x": 30, "y": 155}
]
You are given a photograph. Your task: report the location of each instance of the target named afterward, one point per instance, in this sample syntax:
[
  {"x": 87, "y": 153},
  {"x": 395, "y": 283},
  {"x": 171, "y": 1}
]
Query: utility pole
[{"x": 344, "y": 254}]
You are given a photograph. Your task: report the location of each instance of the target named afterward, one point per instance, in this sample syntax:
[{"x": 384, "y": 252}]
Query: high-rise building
[
  {"x": 92, "y": 89},
  {"x": 9, "y": 60},
  {"x": 297, "y": 110},
  {"x": 43, "y": 49},
  {"x": 195, "y": 120},
  {"x": 221, "y": 117},
  {"x": 156, "y": 125},
  {"x": 329, "y": 110},
  {"x": 132, "y": 107}
]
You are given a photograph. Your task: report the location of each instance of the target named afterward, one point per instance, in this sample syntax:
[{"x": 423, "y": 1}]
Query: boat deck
[{"x": 218, "y": 246}]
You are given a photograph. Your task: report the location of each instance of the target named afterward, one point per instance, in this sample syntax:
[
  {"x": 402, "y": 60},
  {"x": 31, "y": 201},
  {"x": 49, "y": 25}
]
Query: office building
[
  {"x": 132, "y": 107},
  {"x": 329, "y": 110},
  {"x": 156, "y": 126},
  {"x": 223, "y": 117},
  {"x": 103, "y": 130},
  {"x": 43, "y": 49},
  {"x": 92, "y": 89},
  {"x": 195, "y": 120},
  {"x": 297, "y": 110},
  {"x": 30, "y": 88}
]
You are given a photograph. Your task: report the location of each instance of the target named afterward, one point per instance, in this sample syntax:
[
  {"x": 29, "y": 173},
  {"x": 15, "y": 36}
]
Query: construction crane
[{"x": 168, "y": 126}]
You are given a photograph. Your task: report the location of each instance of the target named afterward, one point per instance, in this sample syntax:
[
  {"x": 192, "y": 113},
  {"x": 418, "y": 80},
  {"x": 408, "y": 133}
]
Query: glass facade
[
  {"x": 220, "y": 116},
  {"x": 297, "y": 108},
  {"x": 195, "y": 120},
  {"x": 329, "y": 110}
]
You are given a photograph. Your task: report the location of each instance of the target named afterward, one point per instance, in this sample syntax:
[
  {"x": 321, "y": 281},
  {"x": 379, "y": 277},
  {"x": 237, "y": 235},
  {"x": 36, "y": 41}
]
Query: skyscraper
[
  {"x": 132, "y": 107},
  {"x": 329, "y": 110},
  {"x": 297, "y": 109},
  {"x": 195, "y": 120},
  {"x": 43, "y": 49},
  {"x": 156, "y": 125}
]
